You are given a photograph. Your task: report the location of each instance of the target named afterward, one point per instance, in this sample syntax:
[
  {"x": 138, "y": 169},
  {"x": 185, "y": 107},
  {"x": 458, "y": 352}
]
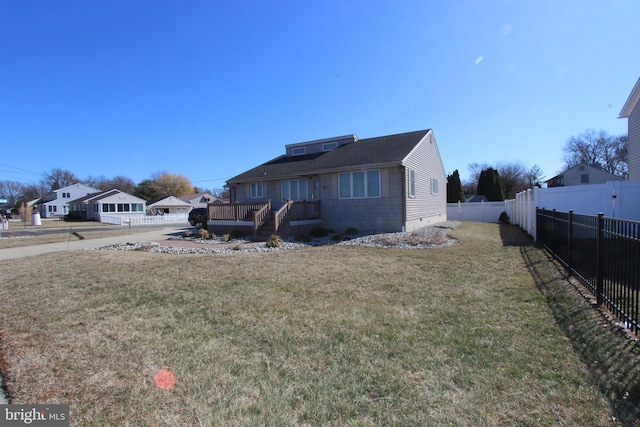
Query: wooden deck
[{"x": 261, "y": 218}]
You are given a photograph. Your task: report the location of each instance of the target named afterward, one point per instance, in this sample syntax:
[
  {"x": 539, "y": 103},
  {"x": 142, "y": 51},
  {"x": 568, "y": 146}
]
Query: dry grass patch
[
  {"x": 332, "y": 335},
  {"x": 18, "y": 242}
]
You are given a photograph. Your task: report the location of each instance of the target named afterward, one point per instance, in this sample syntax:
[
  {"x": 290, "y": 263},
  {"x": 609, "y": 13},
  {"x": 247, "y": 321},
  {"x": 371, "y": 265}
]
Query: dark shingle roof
[{"x": 365, "y": 152}]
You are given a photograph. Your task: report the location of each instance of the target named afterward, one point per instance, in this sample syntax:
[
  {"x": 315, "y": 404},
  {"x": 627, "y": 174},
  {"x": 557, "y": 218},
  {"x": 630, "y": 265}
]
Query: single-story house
[
  {"x": 56, "y": 203},
  {"x": 200, "y": 200},
  {"x": 631, "y": 111},
  {"x": 384, "y": 184},
  {"x": 582, "y": 174},
  {"x": 112, "y": 202},
  {"x": 168, "y": 205}
]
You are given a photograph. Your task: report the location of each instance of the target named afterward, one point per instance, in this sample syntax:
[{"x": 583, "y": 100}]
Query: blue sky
[{"x": 209, "y": 89}]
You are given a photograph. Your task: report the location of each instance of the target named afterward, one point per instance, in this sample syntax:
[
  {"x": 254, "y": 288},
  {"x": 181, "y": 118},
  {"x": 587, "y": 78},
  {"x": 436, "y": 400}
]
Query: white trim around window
[
  {"x": 412, "y": 183},
  {"x": 257, "y": 190},
  {"x": 295, "y": 189},
  {"x": 359, "y": 185},
  {"x": 434, "y": 186},
  {"x": 328, "y": 146}
]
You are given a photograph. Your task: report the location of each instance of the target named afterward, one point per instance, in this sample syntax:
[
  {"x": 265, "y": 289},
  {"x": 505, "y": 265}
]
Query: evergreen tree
[
  {"x": 146, "y": 190},
  {"x": 490, "y": 185},
  {"x": 455, "y": 193}
]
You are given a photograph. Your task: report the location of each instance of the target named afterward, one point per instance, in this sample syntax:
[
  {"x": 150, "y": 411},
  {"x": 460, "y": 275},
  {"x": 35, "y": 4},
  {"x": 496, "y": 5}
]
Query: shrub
[
  {"x": 318, "y": 232},
  {"x": 303, "y": 238},
  {"x": 504, "y": 218},
  {"x": 337, "y": 237},
  {"x": 187, "y": 233},
  {"x": 426, "y": 236},
  {"x": 203, "y": 234},
  {"x": 351, "y": 231},
  {"x": 274, "y": 241},
  {"x": 236, "y": 234}
]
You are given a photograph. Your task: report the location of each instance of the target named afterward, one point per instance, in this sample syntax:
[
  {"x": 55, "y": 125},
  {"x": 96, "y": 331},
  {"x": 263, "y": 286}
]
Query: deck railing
[
  {"x": 282, "y": 215},
  {"x": 259, "y": 213},
  {"x": 305, "y": 210},
  {"x": 234, "y": 211},
  {"x": 260, "y": 216}
]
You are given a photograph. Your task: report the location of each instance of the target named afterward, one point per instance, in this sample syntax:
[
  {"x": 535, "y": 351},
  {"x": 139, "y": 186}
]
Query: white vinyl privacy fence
[
  {"x": 176, "y": 218},
  {"x": 614, "y": 199},
  {"x": 477, "y": 211}
]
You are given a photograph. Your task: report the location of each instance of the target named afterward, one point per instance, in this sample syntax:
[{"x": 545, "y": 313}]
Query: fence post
[
  {"x": 540, "y": 225},
  {"x": 553, "y": 233},
  {"x": 599, "y": 242},
  {"x": 569, "y": 242}
]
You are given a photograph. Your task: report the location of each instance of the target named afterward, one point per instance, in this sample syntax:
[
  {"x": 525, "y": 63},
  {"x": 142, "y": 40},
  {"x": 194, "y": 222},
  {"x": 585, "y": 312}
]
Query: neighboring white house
[
  {"x": 112, "y": 202},
  {"x": 631, "y": 111},
  {"x": 200, "y": 200},
  {"x": 56, "y": 202},
  {"x": 168, "y": 205},
  {"x": 582, "y": 174}
]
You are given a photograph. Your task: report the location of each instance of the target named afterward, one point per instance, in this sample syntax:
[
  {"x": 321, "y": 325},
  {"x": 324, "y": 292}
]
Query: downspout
[{"x": 403, "y": 172}]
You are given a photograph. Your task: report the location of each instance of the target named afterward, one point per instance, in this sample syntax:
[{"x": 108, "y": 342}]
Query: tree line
[
  {"x": 505, "y": 180},
  {"x": 159, "y": 184}
]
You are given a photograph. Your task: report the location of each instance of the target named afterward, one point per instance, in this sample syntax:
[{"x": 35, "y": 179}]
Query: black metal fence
[{"x": 603, "y": 253}]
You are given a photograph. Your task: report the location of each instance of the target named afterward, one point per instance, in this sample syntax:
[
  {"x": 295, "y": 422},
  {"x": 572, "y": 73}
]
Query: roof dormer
[{"x": 319, "y": 145}]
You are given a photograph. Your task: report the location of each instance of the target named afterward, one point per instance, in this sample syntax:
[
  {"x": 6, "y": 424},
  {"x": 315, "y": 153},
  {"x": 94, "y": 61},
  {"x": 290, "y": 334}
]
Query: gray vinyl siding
[
  {"x": 425, "y": 160},
  {"x": 243, "y": 192},
  {"x": 380, "y": 214},
  {"x": 634, "y": 144}
]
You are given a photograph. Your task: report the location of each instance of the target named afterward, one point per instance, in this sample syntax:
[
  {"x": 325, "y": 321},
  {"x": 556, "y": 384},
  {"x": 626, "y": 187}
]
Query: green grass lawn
[{"x": 485, "y": 332}]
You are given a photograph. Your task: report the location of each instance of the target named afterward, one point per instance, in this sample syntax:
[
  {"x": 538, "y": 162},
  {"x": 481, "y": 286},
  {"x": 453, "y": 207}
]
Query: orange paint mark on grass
[{"x": 164, "y": 379}]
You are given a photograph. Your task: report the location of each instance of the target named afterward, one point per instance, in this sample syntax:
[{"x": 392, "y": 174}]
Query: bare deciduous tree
[
  {"x": 11, "y": 190},
  {"x": 598, "y": 148},
  {"x": 103, "y": 183},
  {"x": 58, "y": 178}
]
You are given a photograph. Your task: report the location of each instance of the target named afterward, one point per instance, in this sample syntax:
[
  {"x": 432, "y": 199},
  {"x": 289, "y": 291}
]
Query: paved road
[{"x": 145, "y": 235}]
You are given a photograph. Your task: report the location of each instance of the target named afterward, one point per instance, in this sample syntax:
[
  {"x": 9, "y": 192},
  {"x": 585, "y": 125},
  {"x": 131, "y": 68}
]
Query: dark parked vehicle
[{"x": 198, "y": 216}]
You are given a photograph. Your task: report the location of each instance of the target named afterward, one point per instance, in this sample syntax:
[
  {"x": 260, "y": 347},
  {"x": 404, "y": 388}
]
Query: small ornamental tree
[
  {"x": 455, "y": 193},
  {"x": 490, "y": 185}
]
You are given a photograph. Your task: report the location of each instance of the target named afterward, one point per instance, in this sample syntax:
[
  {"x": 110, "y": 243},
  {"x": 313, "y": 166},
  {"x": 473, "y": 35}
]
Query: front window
[
  {"x": 256, "y": 190},
  {"x": 358, "y": 185},
  {"x": 296, "y": 189},
  {"x": 584, "y": 178},
  {"x": 108, "y": 207}
]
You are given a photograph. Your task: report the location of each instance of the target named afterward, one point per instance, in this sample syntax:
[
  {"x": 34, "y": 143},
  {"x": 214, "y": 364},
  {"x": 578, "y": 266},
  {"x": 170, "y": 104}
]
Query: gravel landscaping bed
[{"x": 424, "y": 238}]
